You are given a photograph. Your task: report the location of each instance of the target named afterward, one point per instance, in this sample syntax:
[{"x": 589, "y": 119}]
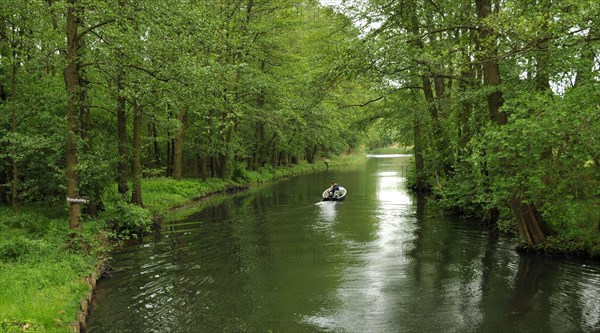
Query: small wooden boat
[{"x": 338, "y": 195}]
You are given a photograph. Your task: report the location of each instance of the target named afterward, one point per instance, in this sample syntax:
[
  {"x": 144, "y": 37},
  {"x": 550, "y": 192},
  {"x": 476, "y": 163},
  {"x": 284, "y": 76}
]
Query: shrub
[{"x": 124, "y": 219}]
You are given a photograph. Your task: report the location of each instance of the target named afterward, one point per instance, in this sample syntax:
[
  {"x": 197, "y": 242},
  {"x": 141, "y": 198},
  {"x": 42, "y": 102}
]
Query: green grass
[
  {"x": 162, "y": 194},
  {"x": 42, "y": 269}
]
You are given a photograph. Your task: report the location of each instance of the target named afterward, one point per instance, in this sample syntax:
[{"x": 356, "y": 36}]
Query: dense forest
[
  {"x": 97, "y": 93},
  {"x": 499, "y": 100}
]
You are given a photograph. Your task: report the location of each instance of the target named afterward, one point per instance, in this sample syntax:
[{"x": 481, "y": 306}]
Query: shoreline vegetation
[
  {"x": 576, "y": 222},
  {"x": 49, "y": 271}
]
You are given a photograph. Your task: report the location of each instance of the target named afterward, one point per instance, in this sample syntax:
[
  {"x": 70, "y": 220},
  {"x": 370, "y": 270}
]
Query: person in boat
[{"x": 334, "y": 187}]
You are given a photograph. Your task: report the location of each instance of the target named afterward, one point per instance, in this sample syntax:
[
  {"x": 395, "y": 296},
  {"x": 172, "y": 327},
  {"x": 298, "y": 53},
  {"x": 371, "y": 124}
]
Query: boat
[{"x": 338, "y": 195}]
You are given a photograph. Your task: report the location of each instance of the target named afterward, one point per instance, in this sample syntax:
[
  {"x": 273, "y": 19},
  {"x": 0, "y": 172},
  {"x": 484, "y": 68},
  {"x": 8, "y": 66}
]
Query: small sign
[{"x": 77, "y": 200}]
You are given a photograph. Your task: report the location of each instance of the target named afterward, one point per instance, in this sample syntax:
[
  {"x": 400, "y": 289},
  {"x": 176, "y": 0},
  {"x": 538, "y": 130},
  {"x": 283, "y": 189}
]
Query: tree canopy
[
  {"x": 499, "y": 99},
  {"x": 180, "y": 89}
]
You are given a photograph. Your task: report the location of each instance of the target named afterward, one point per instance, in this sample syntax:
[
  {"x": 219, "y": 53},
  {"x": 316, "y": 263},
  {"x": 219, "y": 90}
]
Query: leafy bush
[{"x": 124, "y": 219}]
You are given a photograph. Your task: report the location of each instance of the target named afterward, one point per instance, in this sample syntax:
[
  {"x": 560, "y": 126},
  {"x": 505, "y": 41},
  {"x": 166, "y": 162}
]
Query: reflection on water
[
  {"x": 327, "y": 210},
  {"x": 384, "y": 260}
]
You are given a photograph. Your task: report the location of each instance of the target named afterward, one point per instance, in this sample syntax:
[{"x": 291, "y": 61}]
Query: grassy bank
[
  {"x": 42, "y": 264},
  {"x": 163, "y": 194},
  {"x": 42, "y": 268}
]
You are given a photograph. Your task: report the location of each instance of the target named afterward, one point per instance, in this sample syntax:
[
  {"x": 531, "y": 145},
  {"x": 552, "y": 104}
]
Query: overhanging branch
[{"x": 362, "y": 105}]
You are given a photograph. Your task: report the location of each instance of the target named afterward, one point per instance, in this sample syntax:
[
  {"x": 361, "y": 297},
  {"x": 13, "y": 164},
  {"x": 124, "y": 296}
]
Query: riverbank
[
  {"x": 575, "y": 222},
  {"x": 47, "y": 274},
  {"x": 44, "y": 268}
]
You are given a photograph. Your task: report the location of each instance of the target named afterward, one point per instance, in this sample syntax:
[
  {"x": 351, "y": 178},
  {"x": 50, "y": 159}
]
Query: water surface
[{"x": 275, "y": 259}]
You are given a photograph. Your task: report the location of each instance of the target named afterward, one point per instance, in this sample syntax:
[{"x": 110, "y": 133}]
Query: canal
[{"x": 276, "y": 259}]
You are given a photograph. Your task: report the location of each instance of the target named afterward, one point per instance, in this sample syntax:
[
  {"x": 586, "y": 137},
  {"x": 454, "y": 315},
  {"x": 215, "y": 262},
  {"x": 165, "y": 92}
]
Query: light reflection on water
[{"x": 383, "y": 260}]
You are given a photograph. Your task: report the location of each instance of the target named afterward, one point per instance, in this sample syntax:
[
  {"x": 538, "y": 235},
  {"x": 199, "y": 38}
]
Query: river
[{"x": 276, "y": 259}]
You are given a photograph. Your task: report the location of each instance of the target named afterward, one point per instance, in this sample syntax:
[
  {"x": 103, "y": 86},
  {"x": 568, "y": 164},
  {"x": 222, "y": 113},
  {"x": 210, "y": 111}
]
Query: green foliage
[
  {"x": 578, "y": 224},
  {"x": 124, "y": 219},
  {"x": 437, "y": 86},
  {"x": 41, "y": 273}
]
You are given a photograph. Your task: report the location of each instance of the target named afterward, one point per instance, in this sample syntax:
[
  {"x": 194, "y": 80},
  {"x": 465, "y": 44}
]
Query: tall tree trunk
[
  {"x": 136, "y": 195},
  {"x": 257, "y": 158},
  {"x": 491, "y": 70},
  {"x": 529, "y": 221},
  {"x": 92, "y": 191},
  {"x": 178, "y": 145},
  {"x": 123, "y": 163},
  {"x": 72, "y": 82},
  {"x": 171, "y": 155},
  {"x": 169, "y": 162},
  {"x": 439, "y": 141},
  {"x": 201, "y": 166},
  {"x": 15, "y": 167},
  {"x": 491, "y": 77},
  {"x": 542, "y": 77}
]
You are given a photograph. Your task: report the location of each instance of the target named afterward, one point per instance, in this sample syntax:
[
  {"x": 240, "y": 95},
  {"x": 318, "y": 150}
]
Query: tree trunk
[
  {"x": 178, "y": 145},
  {"x": 169, "y": 163},
  {"x": 202, "y": 174},
  {"x": 529, "y": 221},
  {"x": 542, "y": 77},
  {"x": 491, "y": 70},
  {"x": 136, "y": 195},
  {"x": 72, "y": 82},
  {"x": 92, "y": 191},
  {"x": 257, "y": 158},
  {"x": 466, "y": 106},
  {"x": 122, "y": 164},
  {"x": 440, "y": 143}
]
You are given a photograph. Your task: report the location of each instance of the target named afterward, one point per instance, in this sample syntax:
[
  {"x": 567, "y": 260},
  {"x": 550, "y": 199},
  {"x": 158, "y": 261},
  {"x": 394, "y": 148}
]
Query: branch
[
  {"x": 470, "y": 27},
  {"x": 156, "y": 76},
  {"x": 100, "y": 107},
  {"x": 365, "y": 103},
  {"x": 93, "y": 27},
  {"x": 362, "y": 105}
]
